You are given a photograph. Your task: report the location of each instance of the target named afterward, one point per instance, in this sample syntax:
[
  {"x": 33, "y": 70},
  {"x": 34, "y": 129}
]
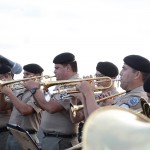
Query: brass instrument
[
  {"x": 2, "y": 83},
  {"x": 72, "y": 83},
  {"x": 67, "y": 87},
  {"x": 76, "y": 108},
  {"x": 126, "y": 130},
  {"x": 122, "y": 133},
  {"x": 66, "y": 83}
]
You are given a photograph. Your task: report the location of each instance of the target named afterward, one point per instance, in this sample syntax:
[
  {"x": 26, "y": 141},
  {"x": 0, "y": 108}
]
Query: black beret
[
  {"x": 64, "y": 58},
  {"x": 107, "y": 69},
  {"x": 33, "y": 68},
  {"x": 4, "y": 69},
  {"x": 146, "y": 85},
  {"x": 138, "y": 62}
]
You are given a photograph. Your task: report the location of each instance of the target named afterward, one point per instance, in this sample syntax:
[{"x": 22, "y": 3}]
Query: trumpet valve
[{"x": 73, "y": 109}]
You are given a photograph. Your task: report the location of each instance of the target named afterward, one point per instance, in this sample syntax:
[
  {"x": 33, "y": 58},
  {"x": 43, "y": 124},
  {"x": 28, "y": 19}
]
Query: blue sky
[{"x": 35, "y": 31}]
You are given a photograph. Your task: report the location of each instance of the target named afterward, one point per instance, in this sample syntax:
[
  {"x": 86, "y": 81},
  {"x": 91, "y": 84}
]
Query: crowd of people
[{"x": 49, "y": 118}]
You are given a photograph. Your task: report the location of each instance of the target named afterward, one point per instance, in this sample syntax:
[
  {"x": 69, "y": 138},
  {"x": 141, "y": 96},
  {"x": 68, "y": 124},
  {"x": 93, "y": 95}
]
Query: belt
[
  {"x": 60, "y": 135},
  {"x": 3, "y": 129},
  {"x": 30, "y": 131}
]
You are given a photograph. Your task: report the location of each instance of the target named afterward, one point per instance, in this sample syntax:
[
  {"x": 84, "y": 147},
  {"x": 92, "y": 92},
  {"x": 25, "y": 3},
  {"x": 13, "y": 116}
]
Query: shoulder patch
[{"x": 133, "y": 101}]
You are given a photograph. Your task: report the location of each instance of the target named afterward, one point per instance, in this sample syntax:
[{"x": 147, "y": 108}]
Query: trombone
[{"x": 76, "y": 108}]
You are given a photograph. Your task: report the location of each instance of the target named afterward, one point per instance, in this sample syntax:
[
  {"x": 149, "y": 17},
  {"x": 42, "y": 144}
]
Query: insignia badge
[
  {"x": 133, "y": 101},
  {"x": 124, "y": 105}
]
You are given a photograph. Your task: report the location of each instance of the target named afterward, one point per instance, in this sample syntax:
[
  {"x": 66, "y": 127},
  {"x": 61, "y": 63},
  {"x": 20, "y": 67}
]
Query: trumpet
[
  {"x": 3, "y": 83},
  {"x": 76, "y": 108},
  {"x": 66, "y": 83},
  {"x": 69, "y": 86}
]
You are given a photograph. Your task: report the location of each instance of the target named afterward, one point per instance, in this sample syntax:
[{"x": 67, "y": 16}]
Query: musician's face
[
  {"x": 5, "y": 77},
  {"x": 104, "y": 84},
  {"x": 127, "y": 76},
  {"x": 60, "y": 71},
  {"x": 27, "y": 74}
]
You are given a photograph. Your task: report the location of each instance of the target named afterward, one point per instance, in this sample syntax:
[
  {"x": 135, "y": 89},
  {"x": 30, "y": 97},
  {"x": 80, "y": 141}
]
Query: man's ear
[
  {"x": 138, "y": 74},
  {"x": 68, "y": 67}
]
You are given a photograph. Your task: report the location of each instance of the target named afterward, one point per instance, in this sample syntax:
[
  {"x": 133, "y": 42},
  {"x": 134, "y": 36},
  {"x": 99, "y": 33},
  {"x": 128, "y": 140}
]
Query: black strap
[
  {"x": 3, "y": 129},
  {"x": 30, "y": 131},
  {"x": 60, "y": 135}
]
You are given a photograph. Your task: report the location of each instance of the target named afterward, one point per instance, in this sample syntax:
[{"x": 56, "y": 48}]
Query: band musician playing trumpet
[
  {"x": 135, "y": 69},
  {"x": 25, "y": 113},
  {"x": 102, "y": 69},
  {"x": 8, "y": 68},
  {"x": 59, "y": 131},
  {"x": 5, "y": 106},
  {"x": 111, "y": 70}
]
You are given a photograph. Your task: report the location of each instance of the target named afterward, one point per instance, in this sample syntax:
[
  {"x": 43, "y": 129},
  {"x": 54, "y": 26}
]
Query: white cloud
[{"x": 94, "y": 30}]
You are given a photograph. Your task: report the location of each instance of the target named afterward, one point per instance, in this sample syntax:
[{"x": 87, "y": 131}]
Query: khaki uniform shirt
[
  {"x": 60, "y": 121},
  {"x": 27, "y": 122},
  {"x": 131, "y": 99}
]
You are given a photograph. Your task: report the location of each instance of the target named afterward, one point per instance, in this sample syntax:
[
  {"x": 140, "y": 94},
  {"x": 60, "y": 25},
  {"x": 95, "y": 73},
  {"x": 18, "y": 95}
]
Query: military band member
[
  {"x": 60, "y": 132},
  {"x": 5, "y": 107},
  {"x": 103, "y": 69},
  {"x": 26, "y": 113},
  {"x": 108, "y": 69},
  {"x": 134, "y": 71}
]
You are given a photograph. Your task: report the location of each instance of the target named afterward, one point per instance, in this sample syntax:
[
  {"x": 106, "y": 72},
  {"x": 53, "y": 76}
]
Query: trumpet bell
[
  {"x": 76, "y": 108},
  {"x": 116, "y": 128}
]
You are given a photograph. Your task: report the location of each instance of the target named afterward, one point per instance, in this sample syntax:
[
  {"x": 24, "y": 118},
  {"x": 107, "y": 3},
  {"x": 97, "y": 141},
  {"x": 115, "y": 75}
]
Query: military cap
[
  {"x": 146, "y": 84},
  {"x": 107, "y": 69},
  {"x": 33, "y": 68},
  {"x": 64, "y": 58},
  {"x": 4, "y": 69},
  {"x": 138, "y": 62}
]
